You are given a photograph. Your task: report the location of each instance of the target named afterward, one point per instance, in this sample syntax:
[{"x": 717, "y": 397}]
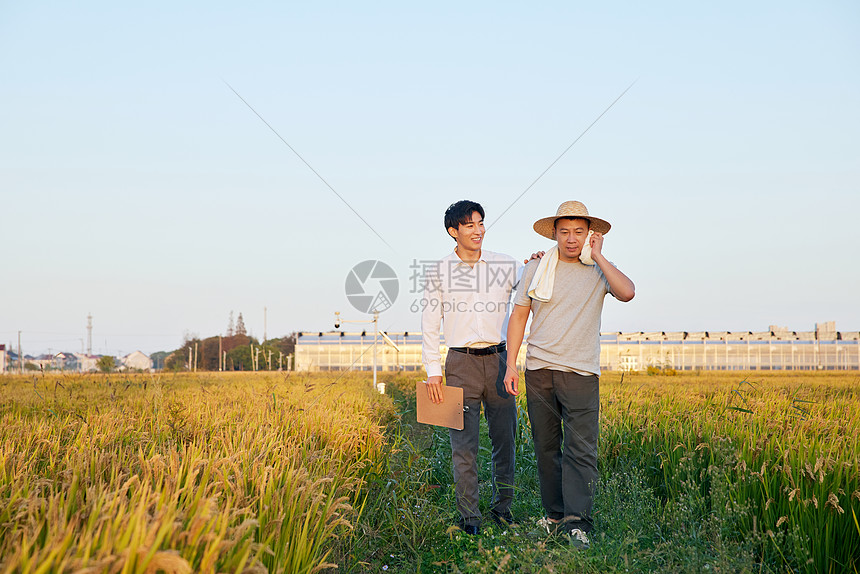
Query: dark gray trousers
[
  {"x": 566, "y": 453},
  {"x": 482, "y": 381}
]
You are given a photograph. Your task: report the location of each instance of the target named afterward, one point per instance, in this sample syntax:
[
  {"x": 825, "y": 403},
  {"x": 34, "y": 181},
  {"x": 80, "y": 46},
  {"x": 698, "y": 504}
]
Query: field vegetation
[
  {"x": 182, "y": 473},
  {"x": 289, "y": 472}
]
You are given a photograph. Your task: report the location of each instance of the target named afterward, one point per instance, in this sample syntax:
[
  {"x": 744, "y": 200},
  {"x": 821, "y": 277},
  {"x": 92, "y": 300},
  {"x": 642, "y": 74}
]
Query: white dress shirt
[{"x": 472, "y": 304}]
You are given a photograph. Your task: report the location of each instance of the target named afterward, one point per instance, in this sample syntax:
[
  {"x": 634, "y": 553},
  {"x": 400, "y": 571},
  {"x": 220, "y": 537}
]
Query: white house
[
  {"x": 136, "y": 360},
  {"x": 87, "y": 363},
  {"x": 62, "y": 362}
]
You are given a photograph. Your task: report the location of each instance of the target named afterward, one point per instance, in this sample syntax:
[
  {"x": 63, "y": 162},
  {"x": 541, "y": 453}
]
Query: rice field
[
  {"x": 289, "y": 472},
  {"x": 776, "y": 454},
  {"x": 206, "y": 473}
]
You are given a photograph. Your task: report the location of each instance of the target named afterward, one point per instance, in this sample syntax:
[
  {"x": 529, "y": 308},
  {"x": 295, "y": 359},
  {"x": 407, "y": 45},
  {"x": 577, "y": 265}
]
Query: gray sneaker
[{"x": 578, "y": 539}]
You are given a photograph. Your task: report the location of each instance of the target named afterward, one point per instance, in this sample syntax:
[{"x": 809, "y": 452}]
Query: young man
[
  {"x": 565, "y": 297},
  {"x": 469, "y": 294}
]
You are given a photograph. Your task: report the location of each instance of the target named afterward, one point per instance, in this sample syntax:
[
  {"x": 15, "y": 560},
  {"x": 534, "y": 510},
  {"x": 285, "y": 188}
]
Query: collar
[{"x": 454, "y": 257}]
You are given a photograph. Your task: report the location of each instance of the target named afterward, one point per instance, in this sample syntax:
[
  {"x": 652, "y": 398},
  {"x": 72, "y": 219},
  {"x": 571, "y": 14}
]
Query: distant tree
[
  {"x": 207, "y": 359},
  {"x": 239, "y": 359},
  {"x": 285, "y": 345},
  {"x": 231, "y": 328},
  {"x": 230, "y": 343},
  {"x": 238, "y": 350},
  {"x": 158, "y": 359},
  {"x": 177, "y": 360},
  {"x": 237, "y": 347},
  {"x": 204, "y": 351},
  {"x": 106, "y": 363},
  {"x": 240, "y": 326}
]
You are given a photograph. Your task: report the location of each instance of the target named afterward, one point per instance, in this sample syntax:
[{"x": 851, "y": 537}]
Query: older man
[{"x": 565, "y": 291}]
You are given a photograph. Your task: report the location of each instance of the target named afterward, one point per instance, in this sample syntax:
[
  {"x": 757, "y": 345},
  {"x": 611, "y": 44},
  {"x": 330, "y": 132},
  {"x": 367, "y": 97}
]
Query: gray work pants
[
  {"x": 566, "y": 453},
  {"x": 482, "y": 381}
]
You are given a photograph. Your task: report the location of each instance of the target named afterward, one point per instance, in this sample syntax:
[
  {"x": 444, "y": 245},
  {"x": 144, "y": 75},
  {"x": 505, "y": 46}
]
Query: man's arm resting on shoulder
[
  {"x": 516, "y": 330},
  {"x": 535, "y": 255}
]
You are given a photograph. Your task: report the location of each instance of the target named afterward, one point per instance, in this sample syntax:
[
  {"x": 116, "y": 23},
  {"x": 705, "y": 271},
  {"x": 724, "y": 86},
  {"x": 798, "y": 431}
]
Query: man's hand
[
  {"x": 537, "y": 255},
  {"x": 596, "y": 243},
  {"x": 512, "y": 380},
  {"x": 620, "y": 285},
  {"x": 434, "y": 389}
]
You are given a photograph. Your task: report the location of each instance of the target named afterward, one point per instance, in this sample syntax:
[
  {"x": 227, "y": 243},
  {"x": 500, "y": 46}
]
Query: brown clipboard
[{"x": 449, "y": 413}]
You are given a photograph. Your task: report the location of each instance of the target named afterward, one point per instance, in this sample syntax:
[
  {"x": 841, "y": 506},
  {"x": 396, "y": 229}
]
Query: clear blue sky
[{"x": 135, "y": 185}]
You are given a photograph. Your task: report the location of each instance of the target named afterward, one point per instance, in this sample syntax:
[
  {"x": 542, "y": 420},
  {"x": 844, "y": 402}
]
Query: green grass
[
  {"x": 673, "y": 493},
  {"x": 699, "y": 472}
]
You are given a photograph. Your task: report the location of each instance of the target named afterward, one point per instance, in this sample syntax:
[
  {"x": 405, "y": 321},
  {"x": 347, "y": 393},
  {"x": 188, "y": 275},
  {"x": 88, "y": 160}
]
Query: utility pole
[
  {"x": 189, "y": 358},
  {"x": 195, "y": 357},
  {"x": 20, "y": 356},
  {"x": 375, "y": 336},
  {"x": 375, "y": 321},
  {"x": 219, "y": 353},
  {"x": 89, "y": 334}
]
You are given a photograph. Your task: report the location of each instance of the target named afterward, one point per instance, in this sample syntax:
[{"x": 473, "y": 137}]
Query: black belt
[{"x": 500, "y": 348}]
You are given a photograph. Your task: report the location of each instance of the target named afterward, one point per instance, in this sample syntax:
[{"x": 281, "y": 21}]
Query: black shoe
[
  {"x": 502, "y": 519},
  {"x": 470, "y": 529},
  {"x": 578, "y": 539}
]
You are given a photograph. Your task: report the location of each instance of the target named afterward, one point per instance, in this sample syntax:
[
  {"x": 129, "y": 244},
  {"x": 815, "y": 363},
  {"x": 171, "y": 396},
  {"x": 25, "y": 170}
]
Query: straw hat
[{"x": 575, "y": 209}]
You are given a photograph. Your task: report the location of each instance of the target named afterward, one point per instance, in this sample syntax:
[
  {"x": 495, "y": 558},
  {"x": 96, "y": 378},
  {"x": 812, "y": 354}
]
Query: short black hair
[{"x": 460, "y": 213}]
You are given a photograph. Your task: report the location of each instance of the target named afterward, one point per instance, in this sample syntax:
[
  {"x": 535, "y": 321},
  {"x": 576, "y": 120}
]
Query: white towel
[
  {"x": 540, "y": 289},
  {"x": 585, "y": 256}
]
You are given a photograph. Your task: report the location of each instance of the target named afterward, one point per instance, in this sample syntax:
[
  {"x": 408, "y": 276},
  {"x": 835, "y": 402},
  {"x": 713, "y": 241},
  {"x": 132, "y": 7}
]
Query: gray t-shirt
[{"x": 565, "y": 331}]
